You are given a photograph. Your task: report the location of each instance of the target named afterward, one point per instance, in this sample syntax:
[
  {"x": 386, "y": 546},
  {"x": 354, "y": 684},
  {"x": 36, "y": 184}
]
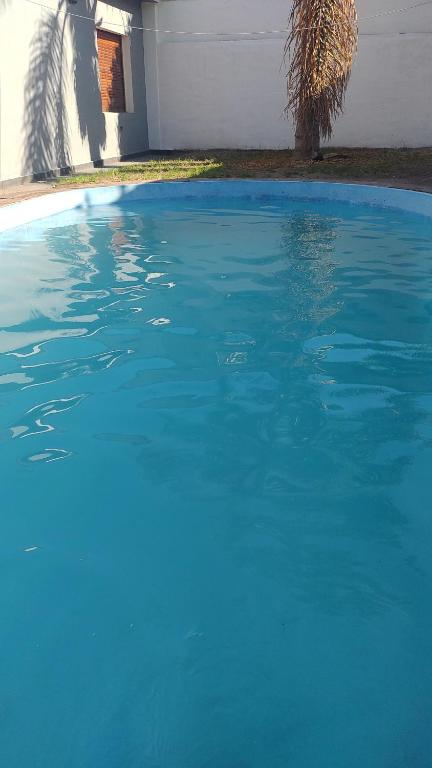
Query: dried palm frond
[{"x": 321, "y": 45}]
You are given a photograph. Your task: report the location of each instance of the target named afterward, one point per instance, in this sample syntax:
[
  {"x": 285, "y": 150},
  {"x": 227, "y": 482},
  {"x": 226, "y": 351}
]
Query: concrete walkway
[{"x": 14, "y": 193}]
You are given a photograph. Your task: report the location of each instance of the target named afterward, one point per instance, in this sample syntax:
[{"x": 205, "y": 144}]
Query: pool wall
[{"x": 16, "y": 215}]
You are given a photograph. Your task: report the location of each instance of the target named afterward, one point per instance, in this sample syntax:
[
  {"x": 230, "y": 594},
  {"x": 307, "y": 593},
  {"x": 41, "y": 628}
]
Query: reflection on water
[{"x": 216, "y": 440}]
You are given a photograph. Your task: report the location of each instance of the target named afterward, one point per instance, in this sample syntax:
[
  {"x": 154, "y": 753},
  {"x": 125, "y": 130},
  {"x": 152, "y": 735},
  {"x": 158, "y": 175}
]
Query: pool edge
[{"x": 27, "y": 211}]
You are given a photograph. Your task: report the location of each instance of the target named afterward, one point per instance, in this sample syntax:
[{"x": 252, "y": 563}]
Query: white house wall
[
  {"x": 50, "y": 108},
  {"x": 212, "y": 90}
]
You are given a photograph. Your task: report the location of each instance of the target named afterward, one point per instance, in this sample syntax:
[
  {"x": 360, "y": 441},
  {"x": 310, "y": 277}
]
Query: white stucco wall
[
  {"x": 228, "y": 91},
  {"x": 50, "y": 109}
]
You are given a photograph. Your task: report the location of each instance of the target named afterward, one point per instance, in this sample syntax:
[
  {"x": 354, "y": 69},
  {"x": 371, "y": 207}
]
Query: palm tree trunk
[
  {"x": 307, "y": 137},
  {"x": 321, "y": 44}
]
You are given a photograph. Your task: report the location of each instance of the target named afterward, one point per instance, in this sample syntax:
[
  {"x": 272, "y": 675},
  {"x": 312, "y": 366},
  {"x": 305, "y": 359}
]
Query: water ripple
[
  {"x": 39, "y": 413},
  {"x": 48, "y": 456},
  {"x": 46, "y": 373}
]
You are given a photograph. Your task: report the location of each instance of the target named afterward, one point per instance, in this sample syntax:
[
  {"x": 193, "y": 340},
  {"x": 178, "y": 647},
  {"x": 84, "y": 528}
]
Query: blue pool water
[{"x": 216, "y": 453}]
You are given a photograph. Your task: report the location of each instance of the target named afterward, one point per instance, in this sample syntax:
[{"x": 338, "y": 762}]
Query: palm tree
[{"x": 321, "y": 46}]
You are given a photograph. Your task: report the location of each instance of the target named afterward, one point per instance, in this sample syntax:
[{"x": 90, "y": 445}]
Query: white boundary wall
[{"x": 229, "y": 91}]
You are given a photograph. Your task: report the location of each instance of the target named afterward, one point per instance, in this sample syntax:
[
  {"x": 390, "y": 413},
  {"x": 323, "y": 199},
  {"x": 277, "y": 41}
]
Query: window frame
[{"x": 109, "y": 33}]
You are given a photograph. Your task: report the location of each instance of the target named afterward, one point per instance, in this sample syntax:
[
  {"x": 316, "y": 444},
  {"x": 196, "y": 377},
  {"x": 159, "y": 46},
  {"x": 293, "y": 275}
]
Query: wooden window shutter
[{"x": 111, "y": 71}]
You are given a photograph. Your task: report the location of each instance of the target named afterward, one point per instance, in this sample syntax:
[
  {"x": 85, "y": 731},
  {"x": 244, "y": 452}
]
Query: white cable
[
  {"x": 389, "y": 12},
  {"x": 396, "y": 10}
]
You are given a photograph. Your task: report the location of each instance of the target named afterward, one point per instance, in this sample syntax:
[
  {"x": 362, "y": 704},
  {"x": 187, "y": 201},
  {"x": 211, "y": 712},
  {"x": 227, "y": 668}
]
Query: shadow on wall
[{"x": 60, "y": 44}]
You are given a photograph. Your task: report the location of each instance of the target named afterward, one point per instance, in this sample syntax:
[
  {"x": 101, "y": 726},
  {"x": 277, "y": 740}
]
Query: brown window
[{"x": 111, "y": 71}]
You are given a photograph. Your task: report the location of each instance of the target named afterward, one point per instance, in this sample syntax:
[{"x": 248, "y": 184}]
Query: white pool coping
[{"x": 25, "y": 212}]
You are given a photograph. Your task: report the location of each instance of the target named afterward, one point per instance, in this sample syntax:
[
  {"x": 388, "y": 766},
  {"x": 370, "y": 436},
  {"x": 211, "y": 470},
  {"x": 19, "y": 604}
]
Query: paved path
[{"x": 14, "y": 194}]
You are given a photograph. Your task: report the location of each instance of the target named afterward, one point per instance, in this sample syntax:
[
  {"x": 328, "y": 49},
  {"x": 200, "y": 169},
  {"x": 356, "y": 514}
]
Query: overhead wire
[{"x": 250, "y": 33}]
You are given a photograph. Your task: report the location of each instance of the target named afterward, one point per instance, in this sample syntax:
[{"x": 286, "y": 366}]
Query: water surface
[{"x": 216, "y": 452}]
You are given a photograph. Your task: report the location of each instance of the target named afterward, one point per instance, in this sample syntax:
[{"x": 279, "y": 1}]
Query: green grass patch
[{"x": 361, "y": 164}]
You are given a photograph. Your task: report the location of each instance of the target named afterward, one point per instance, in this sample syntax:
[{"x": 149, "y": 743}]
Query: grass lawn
[{"x": 413, "y": 166}]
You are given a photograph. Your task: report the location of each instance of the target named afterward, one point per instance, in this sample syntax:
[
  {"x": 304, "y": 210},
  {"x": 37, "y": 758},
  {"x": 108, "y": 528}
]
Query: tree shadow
[
  {"x": 86, "y": 82},
  {"x": 46, "y": 142},
  {"x": 61, "y": 42}
]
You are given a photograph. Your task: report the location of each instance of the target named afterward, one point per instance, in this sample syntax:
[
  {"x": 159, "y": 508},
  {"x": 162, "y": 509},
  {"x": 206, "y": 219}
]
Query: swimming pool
[{"x": 216, "y": 441}]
